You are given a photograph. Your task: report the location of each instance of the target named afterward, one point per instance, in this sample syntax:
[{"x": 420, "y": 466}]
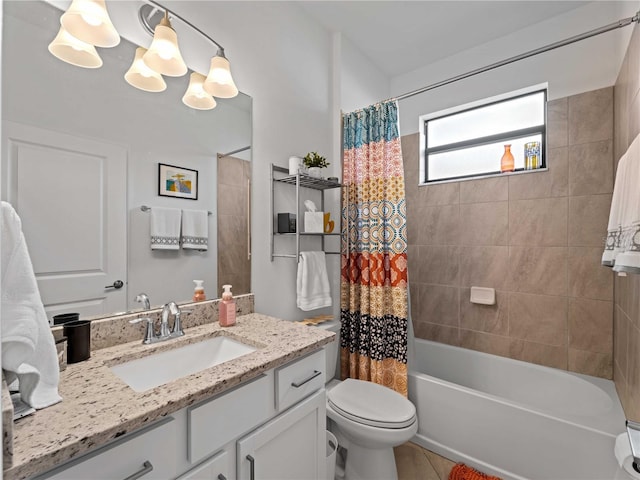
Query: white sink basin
[{"x": 164, "y": 367}]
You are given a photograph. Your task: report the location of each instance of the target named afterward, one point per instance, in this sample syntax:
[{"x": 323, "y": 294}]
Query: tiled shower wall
[
  {"x": 537, "y": 238},
  {"x": 626, "y": 370}
]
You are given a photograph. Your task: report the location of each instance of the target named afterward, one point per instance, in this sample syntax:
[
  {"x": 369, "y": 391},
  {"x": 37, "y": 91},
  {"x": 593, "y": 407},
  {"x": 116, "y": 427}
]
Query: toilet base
[{"x": 370, "y": 464}]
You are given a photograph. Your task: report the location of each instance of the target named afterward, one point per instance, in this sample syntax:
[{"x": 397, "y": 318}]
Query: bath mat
[{"x": 463, "y": 472}]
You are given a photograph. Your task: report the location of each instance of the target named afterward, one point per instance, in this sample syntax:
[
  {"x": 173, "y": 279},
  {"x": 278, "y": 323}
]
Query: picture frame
[{"x": 178, "y": 182}]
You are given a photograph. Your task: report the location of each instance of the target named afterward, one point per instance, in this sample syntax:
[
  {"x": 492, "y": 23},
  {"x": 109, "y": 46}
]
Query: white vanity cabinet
[{"x": 277, "y": 418}]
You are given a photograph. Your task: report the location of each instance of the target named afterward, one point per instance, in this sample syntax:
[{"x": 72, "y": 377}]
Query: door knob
[{"x": 117, "y": 284}]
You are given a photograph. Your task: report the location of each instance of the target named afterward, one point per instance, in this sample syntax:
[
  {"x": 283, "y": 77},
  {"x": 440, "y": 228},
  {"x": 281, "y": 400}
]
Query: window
[{"x": 471, "y": 141}]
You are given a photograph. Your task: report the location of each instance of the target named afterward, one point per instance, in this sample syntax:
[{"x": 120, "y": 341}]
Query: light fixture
[
  {"x": 141, "y": 76},
  {"x": 219, "y": 82},
  {"x": 195, "y": 96},
  {"x": 88, "y": 20},
  {"x": 69, "y": 49},
  {"x": 164, "y": 55}
]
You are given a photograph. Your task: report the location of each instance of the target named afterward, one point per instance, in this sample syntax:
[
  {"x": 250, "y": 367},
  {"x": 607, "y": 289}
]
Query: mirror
[{"x": 77, "y": 106}]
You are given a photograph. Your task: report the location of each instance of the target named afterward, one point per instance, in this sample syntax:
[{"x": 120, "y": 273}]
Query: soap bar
[{"x": 314, "y": 222}]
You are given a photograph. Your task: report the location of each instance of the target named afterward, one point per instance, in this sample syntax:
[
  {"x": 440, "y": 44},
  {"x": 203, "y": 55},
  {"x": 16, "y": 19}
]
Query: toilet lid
[{"x": 371, "y": 404}]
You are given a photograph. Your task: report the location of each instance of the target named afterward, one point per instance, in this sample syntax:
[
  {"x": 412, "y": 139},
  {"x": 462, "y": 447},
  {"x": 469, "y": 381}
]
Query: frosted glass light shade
[
  {"x": 195, "y": 96},
  {"x": 142, "y": 77},
  {"x": 219, "y": 82},
  {"x": 88, "y": 20},
  {"x": 76, "y": 52},
  {"x": 164, "y": 55}
]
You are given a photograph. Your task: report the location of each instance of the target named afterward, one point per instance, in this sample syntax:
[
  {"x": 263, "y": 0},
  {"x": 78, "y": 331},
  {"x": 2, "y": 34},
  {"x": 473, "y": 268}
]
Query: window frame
[{"x": 484, "y": 140}]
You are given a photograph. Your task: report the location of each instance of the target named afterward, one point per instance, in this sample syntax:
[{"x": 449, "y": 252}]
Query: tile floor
[{"x": 416, "y": 463}]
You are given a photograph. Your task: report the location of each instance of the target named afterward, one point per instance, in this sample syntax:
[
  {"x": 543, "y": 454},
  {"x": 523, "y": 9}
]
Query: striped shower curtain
[{"x": 373, "y": 286}]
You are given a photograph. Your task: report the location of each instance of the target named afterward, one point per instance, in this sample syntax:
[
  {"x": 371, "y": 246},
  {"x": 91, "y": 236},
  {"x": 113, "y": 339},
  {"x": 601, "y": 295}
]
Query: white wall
[
  {"x": 154, "y": 128},
  {"x": 581, "y": 67}
]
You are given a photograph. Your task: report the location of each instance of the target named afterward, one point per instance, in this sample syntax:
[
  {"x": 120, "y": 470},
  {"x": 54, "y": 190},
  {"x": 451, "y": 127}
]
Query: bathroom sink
[{"x": 164, "y": 367}]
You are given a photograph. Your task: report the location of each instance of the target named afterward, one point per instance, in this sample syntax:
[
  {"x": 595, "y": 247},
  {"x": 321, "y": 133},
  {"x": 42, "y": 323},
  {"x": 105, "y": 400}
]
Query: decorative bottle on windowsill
[{"x": 507, "y": 162}]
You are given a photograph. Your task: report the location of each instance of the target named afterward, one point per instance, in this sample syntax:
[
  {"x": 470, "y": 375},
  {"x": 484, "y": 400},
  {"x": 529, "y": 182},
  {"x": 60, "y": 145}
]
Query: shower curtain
[{"x": 373, "y": 286}]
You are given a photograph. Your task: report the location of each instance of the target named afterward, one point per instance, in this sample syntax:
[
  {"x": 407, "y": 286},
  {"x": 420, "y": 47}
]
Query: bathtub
[{"x": 514, "y": 419}]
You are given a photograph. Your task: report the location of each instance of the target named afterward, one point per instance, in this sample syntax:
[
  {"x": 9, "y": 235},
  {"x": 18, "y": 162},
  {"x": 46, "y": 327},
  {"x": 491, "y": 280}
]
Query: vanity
[{"x": 259, "y": 415}]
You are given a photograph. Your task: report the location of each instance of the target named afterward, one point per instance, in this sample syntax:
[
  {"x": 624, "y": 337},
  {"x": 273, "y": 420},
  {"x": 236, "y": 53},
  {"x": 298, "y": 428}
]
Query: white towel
[
  {"x": 165, "y": 228},
  {"x": 313, "y": 281},
  {"x": 28, "y": 347},
  {"x": 623, "y": 231},
  {"x": 195, "y": 229}
]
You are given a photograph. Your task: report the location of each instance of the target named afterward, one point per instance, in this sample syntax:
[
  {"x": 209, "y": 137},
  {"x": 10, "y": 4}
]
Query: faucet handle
[{"x": 149, "y": 334}]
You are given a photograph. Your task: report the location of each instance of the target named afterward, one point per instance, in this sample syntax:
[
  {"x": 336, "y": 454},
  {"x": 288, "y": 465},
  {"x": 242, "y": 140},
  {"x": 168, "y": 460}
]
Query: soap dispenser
[
  {"x": 227, "y": 308},
  {"x": 198, "y": 292}
]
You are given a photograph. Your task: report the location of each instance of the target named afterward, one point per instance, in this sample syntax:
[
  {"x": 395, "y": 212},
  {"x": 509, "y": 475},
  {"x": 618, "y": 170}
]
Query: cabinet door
[
  {"x": 148, "y": 454},
  {"x": 216, "y": 468},
  {"x": 289, "y": 447}
]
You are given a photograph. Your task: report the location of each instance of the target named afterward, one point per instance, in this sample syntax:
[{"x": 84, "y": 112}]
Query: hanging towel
[
  {"x": 313, "y": 281},
  {"x": 165, "y": 228},
  {"x": 28, "y": 348},
  {"x": 622, "y": 250},
  {"x": 195, "y": 229}
]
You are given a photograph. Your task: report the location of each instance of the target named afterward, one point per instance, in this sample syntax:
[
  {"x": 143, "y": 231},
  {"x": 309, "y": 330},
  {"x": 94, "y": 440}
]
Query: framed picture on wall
[{"x": 177, "y": 182}]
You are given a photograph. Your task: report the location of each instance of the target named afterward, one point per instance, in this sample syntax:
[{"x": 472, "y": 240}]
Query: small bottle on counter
[
  {"x": 227, "y": 308},
  {"x": 198, "y": 292}
]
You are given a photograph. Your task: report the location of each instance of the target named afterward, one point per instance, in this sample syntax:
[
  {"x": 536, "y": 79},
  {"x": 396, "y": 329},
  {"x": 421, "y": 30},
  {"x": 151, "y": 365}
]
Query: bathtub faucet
[{"x": 633, "y": 430}]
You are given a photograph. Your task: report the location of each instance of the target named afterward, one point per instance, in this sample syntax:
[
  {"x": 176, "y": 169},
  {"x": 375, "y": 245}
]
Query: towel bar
[{"x": 145, "y": 208}]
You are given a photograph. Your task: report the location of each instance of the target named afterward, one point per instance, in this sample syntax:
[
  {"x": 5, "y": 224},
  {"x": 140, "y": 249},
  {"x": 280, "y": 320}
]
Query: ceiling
[{"x": 412, "y": 34}]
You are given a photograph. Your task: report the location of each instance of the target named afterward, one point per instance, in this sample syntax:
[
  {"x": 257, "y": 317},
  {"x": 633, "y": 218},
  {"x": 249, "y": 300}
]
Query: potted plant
[{"x": 314, "y": 163}]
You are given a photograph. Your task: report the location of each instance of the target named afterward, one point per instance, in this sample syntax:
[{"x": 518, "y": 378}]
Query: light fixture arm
[{"x": 168, "y": 11}]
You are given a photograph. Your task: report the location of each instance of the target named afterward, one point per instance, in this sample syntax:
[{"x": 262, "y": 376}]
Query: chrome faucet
[
  {"x": 144, "y": 299},
  {"x": 168, "y": 309}
]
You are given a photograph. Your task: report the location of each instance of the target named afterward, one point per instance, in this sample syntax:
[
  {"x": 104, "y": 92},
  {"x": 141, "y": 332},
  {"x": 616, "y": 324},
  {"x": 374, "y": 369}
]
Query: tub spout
[{"x": 633, "y": 430}]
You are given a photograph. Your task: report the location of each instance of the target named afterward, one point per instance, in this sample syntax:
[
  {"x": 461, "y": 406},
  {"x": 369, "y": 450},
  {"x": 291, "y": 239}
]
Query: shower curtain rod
[
  {"x": 222, "y": 155},
  {"x": 592, "y": 33}
]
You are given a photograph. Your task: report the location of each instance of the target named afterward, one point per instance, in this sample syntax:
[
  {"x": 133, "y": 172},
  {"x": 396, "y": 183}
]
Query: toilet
[{"x": 367, "y": 419}]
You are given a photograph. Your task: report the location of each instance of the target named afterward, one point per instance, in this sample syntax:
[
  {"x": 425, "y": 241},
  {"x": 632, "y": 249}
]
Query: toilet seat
[{"x": 371, "y": 404}]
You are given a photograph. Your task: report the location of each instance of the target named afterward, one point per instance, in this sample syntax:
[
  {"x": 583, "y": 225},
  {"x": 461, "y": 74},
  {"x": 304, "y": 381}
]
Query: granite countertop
[{"x": 97, "y": 406}]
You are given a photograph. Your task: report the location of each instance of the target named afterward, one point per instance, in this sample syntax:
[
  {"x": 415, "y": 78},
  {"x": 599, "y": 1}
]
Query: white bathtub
[{"x": 514, "y": 419}]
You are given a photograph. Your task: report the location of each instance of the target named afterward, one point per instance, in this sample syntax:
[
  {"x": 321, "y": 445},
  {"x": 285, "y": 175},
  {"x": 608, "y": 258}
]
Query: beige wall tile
[
  {"x": 439, "y": 225},
  {"x": 234, "y": 203},
  {"x": 591, "y": 116},
  {"x": 484, "y": 266},
  {"x": 591, "y": 168},
  {"x": 541, "y": 354},
  {"x": 633, "y": 373},
  {"x": 438, "y": 264},
  {"x": 588, "y": 218},
  {"x": 541, "y": 222},
  {"x": 557, "y": 123},
  {"x": 551, "y": 183},
  {"x": 485, "y": 342},
  {"x": 230, "y": 171},
  {"x": 538, "y": 318},
  {"x": 622, "y": 388},
  {"x": 440, "y": 194},
  {"x": 439, "y": 304},
  {"x": 587, "y": 277},
  {"x": 485, "y": 318},
  {"x": 538, "y": 270},
  {"x": 591, "y": 325},
  {"x": 484, "y": 223},
  {"x": 621, "y": 325},
  {"x": 591, "y": 363},
  {"x": 494, "y": 189},
  {"x": 436, "y": 333}
]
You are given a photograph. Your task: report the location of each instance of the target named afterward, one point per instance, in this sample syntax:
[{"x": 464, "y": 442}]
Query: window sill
[{"x": 478, "y": 177}]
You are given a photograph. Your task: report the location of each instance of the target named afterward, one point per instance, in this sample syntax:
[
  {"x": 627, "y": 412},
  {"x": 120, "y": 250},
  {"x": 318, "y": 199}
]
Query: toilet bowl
[{"x": 368, "y": 419}]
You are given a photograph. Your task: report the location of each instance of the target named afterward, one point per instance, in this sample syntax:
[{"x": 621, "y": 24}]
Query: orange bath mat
[{"x": 462, "y": 472}]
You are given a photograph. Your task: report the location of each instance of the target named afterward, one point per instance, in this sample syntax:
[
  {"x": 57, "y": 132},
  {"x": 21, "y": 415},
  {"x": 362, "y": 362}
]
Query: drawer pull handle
[
  {"x": 146, "y": 468},
  {"x": 306, "y": 380},
  {"x": 252, "y": 467},
  {"x": 222, "y": 477}
]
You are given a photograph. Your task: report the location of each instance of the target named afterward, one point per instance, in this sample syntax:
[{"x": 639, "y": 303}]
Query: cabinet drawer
[
  {"x": 299, "y": 379},
  {"x": 122, "y": 459},
  {"x": 210, "y": 425},
  {"x": 216, "y": 468}
]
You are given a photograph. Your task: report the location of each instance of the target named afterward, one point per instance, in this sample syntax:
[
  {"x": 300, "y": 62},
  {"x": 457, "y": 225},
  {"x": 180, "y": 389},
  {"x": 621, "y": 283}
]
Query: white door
[{"x": 71, "y": 195}]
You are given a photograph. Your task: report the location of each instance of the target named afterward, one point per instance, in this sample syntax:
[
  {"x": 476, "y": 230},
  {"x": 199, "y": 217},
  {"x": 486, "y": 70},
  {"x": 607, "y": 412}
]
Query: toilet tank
[{"x": 331, "y": 349}]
